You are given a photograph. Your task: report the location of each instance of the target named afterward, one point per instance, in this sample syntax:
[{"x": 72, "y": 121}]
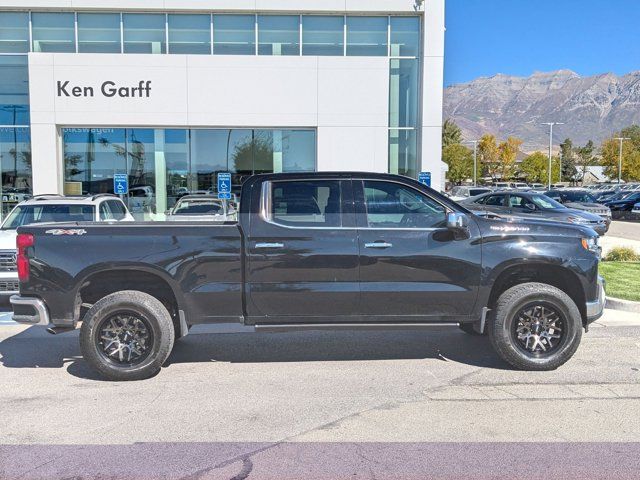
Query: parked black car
[
  {"x": 621, "y": 207},
  {"x": 581, "y": 200},
  {"x": 313, "y": 251},
  {"x": 532, "y": 205}
]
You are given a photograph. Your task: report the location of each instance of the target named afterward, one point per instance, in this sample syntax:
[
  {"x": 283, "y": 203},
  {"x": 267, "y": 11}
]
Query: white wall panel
[{"x": 353, "y": 148}]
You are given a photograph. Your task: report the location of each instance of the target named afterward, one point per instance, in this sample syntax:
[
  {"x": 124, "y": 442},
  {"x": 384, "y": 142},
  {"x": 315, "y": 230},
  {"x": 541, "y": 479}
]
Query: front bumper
[
  {"x": 29, "y": 310},
  {"x": 595, "y": 308}
]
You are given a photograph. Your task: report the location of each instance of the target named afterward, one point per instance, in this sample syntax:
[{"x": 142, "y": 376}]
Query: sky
[{"x": 520, "y": 37}]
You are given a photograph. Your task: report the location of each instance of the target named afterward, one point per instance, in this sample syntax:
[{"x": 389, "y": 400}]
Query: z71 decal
[{"x": 63, "y": 231}]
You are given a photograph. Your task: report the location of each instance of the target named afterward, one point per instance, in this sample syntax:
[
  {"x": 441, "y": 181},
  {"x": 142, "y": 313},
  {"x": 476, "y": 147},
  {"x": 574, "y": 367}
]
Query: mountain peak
[{"x": 503, "y": 105}]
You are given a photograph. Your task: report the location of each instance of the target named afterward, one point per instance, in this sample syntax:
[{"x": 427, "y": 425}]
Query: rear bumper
[
  {"x": 29, "y": 310},
  {"x": 595, "y": 308}
]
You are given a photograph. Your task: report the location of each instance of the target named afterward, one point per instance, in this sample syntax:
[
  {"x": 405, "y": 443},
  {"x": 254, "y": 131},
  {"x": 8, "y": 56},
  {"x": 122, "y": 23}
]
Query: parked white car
[
  {"x": 201, "y": 208},
  {"x": 51, "y": 209}
]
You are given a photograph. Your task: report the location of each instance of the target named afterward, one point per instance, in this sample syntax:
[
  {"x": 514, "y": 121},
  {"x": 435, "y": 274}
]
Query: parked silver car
[
  {"x": 581, "y": 200},
  {"x": 201, "y": 208}
]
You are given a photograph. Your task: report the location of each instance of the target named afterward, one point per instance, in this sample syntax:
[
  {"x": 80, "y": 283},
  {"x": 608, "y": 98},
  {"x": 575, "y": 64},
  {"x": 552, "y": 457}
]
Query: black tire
[
  {"x": 504, "y": 322},
  {"x": 147, "y": 312},
  {"x": 468, "y": 328}
]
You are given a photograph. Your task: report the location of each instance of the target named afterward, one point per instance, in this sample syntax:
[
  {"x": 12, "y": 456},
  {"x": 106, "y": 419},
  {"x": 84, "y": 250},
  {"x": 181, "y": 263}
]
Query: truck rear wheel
[
  {"x": 535, "y": 326},
  {"x": 127, "y": 335}
]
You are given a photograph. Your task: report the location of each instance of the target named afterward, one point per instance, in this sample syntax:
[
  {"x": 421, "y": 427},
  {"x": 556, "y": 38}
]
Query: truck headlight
[{"x": 592, "y": 244}]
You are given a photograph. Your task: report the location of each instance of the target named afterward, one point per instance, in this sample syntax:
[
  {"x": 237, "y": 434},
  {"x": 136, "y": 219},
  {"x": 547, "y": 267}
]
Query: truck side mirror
[{"x": 458, "y": 223}]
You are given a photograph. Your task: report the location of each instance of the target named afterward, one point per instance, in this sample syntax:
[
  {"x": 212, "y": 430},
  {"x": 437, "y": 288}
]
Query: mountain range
[{"x": 592, "y": 108}]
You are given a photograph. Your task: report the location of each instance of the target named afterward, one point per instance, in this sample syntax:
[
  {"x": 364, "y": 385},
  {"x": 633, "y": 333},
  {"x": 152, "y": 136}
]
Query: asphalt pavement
[
  {"x": 625, "y": 229},
  {"x": 384, "y": 404}
]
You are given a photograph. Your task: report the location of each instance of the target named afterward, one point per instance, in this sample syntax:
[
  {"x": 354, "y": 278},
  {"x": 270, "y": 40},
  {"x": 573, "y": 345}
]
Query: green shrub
[{"x": 622, "y": 254}]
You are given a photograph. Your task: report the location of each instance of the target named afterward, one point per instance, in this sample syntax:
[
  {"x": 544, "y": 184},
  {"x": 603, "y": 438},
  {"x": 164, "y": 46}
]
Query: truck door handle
[
  {"x": 269, "y": 245},
  {"x": 378, "y": 245}
]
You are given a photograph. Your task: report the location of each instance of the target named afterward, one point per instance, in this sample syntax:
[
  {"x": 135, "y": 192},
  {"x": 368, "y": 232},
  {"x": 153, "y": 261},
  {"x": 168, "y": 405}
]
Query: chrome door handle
[
  {"x": 269, "y": 245},
  {"x": 378, "y": 245}
]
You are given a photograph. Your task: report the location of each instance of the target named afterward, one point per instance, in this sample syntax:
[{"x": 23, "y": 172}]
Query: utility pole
[
  {"x": 551, "y": 125},
  {"x": 620, "y": 139},
  {"x": 475, "y": 161}
]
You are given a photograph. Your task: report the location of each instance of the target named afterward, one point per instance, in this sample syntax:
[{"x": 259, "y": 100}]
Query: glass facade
[
  {"x": 165, "y": 164},
  {"x": 278, "y": 35},
  {"x": 234, "y": 35},
  {"x": 367, "y": 36},
  {"x": 144, "y": 33},
  {"x": 99, "y": 32},
  {"x": 14, "y": 32},
  {"x": 322, "y": 35},
  {"x": 190, "y": 34},
  {"x": 53, "y": 32}
]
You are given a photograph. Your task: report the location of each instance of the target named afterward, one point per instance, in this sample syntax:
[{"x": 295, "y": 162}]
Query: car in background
[
  {"x": 201, "y": 208},
  {"x": 51, "y": 209},
  {"x": 537, "y": 186},
  {"x": 621, "y": 206},
  {"x": 521, "y": 186},
  {"x": 580, "y": 200},
  {"x": 530, "y": 206},
  {"x": 636, "y": 211},
  {"x": 461, "y": 192}
]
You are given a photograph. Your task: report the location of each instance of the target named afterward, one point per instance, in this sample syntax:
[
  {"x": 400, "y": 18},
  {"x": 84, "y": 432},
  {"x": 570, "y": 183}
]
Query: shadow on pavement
[{"x": 34, "y": 348}]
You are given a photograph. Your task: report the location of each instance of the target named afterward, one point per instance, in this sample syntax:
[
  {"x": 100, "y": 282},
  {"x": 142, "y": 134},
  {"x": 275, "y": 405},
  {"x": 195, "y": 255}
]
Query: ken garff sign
[
  {"x": 108, "y": 88},
  {"x": 224, "y": 186},
  {"x": 120, "y": 183}
]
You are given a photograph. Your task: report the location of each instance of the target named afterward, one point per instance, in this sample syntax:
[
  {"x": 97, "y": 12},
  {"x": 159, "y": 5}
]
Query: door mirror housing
[{"x": 458, "y": 223}]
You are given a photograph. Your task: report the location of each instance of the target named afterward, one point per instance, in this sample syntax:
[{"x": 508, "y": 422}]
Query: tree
[
  {"x": 451, "y": 133},
  {"x": 536, "y": 168},
  {"x": 610, "y": 151},
  {"x": 460, "y": 161},
  {"x": 488, "y": 155},
  {"x": 567, "y": 154},
  {"x": 507, "y": 154},
  {"x": 586, "y": 158}
]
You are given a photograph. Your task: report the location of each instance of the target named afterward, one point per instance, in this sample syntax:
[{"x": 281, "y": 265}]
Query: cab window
[
  {"x": 117, "y": 209},
  {"x": 494, "y": 200},
  {"x": 392, "y": 205},
  {"x": 306, "y": 203},
  {"x": 105, "y": 212}
]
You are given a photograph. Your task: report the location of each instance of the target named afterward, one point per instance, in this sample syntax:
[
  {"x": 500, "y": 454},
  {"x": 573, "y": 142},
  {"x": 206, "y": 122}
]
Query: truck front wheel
[
  {"x": 535, "y": 326},
  {"x": 127, "y": 335}
]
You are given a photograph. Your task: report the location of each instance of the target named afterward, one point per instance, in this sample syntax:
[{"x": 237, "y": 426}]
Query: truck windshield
[
  {"x": 546, "y": 203},
  {"x": 28, "y": 214}
]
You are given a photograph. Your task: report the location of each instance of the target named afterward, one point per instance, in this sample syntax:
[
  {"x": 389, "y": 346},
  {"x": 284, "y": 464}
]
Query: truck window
[
  {"x": 105, "y": 212},
  {"x": 306, "y": 203},
  {"x": 117, "y": 209},
  {"x": 391, "y": 205}
]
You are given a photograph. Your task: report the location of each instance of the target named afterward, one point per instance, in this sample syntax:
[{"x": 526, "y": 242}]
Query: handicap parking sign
[
  {"x": 425, "y": 178},
  {"x": 120, "y": 183},
  {"x": 224, "y": 186}
]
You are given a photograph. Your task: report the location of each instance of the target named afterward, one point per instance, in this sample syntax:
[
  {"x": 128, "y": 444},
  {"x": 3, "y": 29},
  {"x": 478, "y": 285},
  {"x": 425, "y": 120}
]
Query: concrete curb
[{"x": 624, "y": 305}]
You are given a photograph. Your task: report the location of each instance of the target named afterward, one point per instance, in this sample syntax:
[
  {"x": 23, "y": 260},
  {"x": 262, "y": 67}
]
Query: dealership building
[{"x": 172, "y": 92}]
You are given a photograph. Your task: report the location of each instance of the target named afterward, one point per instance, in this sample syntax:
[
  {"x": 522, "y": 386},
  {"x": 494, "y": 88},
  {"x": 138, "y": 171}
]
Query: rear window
[
  {"x": 29, "y": 214},
  {"x": 306, "y": 203},
  {"x": 198, "y": 208}
]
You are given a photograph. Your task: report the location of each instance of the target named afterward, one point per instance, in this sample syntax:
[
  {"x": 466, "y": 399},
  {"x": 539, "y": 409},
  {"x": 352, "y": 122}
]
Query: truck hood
[
  {"x": 493, "y": 225},
  {"x": 8, "y": 239}
]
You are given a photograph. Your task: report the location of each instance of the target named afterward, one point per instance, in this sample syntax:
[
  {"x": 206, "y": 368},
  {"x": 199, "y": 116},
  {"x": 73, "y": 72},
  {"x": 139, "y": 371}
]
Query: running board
[{"x": 350, "y": 326}]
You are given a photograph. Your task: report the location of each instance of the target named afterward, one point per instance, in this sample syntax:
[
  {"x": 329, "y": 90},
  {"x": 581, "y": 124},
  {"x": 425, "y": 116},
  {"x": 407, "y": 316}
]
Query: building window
[
  {"x": 14, "y": 32},
  {"x": 15, "y": 166},
  {"x": 367, "y": 36},
  {"x": 322, "y": 35},
  {"x": 278, "y": 35},
  {"x": 144, "y": 33},
  {"x": 403, "y": 93},
  {"x": 190, "y": 34},
  {"x": 405, "y": 36},
  {"x": 234, "y": 34},
  {"x": 99, "y": 33},
  {"x": 403, "y": 152},
  {"x": 53, "y": 32},
  {"x": 14, "y": 90}
]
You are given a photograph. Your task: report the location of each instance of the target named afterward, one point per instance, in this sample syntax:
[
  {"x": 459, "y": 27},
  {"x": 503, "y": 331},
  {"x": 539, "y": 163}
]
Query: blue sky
[{"x": 519, "y": 37}]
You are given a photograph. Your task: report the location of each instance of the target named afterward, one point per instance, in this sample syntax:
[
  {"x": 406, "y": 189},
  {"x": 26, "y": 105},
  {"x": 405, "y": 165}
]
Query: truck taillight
[{"x": 24, "y": 241}]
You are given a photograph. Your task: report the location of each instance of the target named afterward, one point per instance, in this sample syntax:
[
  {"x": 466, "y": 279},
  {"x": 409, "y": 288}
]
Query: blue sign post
[
  {"x": 425, "y": 177},
  {"x": 120, "y": 183},
  {"x": 224, "y": 186}
]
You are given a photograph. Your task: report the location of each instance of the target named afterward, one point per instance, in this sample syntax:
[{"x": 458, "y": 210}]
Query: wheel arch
[{"x": 558, "y": 276}]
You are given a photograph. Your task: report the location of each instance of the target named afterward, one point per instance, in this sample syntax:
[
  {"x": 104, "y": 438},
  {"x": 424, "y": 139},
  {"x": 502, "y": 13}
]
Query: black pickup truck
[{"x": 313, "y": 251}]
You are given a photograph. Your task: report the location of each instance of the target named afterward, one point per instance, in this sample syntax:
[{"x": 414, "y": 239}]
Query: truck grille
[
  {"x": 9, "y": 286},
  {"x": 8, "y": 261}
]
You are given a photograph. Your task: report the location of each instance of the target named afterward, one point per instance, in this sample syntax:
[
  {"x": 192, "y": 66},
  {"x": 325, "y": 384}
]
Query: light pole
[
  {"x": 620, "y": 139},
  {"x": 551, "y": 125},
  {"x": 475, "y": 161}
]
